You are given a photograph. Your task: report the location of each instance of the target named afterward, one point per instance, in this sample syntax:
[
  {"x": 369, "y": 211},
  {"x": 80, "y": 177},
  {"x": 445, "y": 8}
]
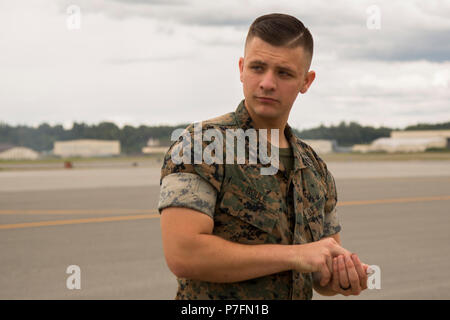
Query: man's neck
[{"x": 280, "y": 124}]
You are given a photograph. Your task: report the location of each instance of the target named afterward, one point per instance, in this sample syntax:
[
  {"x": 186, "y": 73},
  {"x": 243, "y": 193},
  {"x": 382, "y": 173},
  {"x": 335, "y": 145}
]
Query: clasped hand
[{"x": 348, "y": 276}]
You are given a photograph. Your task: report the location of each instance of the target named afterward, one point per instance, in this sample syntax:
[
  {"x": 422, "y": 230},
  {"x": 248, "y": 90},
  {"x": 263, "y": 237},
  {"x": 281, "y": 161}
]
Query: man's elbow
[
  {"x": 180, "y": 257},
  {"x": 179, "y": 266}
]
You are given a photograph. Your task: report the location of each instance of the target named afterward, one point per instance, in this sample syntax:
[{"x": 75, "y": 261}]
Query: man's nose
[{"x": 268, "y": 82}]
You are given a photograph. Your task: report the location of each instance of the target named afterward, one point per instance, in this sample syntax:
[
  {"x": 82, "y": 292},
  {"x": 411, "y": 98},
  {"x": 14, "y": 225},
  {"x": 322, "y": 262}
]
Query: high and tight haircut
[{"x": 282, "y": 30}]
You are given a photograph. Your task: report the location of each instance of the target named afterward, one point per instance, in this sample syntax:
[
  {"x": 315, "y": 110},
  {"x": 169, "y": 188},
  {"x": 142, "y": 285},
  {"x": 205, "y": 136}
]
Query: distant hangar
[
  {"x": 10, "y": 152},
  {"x": 86, "y": 148},
  {"x": 408, "y": 141},
  {"x": 321, "y": 146}
]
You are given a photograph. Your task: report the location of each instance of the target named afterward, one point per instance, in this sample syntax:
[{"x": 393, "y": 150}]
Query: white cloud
[{"x": 150, "y": 62}]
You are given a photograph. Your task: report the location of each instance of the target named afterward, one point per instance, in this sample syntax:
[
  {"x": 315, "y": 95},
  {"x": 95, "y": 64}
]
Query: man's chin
[{"x": 266, "y": 111}]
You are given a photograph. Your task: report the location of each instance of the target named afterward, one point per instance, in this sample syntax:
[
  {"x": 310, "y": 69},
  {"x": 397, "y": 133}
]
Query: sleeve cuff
[
  {"x": 331, "y": 223},
  {"x": 187, "y": 190}
]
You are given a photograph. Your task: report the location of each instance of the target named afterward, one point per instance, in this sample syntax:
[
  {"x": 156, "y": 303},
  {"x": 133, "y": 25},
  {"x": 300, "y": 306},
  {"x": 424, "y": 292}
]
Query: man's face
[{"x": 272, "y": 77}]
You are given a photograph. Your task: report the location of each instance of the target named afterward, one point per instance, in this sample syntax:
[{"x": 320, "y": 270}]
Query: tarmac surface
[{"x": 394, "y": 215}]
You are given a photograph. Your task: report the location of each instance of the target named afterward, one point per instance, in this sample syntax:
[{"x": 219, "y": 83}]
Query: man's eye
[
  {"x": 284, "y": 73},
  {"x": 256, "y": 68}
]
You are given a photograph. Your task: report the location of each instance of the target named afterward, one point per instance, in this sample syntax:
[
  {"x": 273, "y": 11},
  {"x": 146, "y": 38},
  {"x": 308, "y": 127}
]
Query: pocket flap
[{"x": 250, "y": 211}]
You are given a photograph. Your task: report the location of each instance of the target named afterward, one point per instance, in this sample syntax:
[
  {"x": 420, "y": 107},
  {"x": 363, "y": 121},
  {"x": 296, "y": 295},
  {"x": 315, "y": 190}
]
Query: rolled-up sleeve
[
  {"x": 331, "y": 220},
  {"x": 187, "y": 190}
]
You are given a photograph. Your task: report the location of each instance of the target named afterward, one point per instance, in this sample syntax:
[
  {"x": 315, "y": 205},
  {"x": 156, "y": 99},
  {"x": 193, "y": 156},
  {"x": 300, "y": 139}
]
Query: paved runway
[{"x": 394, "y": 215}]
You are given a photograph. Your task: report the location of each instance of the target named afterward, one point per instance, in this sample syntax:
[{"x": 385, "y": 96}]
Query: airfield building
[
  {"x": 86, "y": 148},
  {"x": 408, "y": 141},
  {"x": 321, "y": 146},
  {"x": 421, "y": 134},
  {"x": 154, "y": 146},
  {"x": 10, "y": 152},
  {"x": 408, "y": 144}
]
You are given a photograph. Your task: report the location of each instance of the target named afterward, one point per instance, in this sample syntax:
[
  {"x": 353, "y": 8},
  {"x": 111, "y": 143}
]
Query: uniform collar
[{"x": 301, "y": 159}]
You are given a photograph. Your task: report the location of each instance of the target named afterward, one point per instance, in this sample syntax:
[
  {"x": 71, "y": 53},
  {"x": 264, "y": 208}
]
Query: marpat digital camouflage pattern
[{"x": 251, "y": 208}]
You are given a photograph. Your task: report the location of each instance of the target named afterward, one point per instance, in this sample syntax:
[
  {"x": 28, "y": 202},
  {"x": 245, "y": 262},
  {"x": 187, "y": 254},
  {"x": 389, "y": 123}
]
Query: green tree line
[
  {"x": 132, "y": 139},
  {"x": 346, "y": 134},
  {"x": 426, "y": 126}
]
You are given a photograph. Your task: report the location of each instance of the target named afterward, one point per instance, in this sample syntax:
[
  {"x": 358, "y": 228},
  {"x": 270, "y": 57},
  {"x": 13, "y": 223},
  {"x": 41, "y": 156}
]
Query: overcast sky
[{"x": 176, "y": 61}]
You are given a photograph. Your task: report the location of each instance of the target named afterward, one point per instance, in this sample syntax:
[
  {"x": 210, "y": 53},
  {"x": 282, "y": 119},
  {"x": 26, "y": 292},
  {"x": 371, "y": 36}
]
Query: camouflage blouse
[{"x": 294, "y": 206}]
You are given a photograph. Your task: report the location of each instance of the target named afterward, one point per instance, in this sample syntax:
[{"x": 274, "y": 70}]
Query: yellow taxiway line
[
  {"x": 399, "y": 200},
  {"x": 76, "y": 221},
  {"x": 126, "y": 215},
  {"x": 80, "y": 211}
]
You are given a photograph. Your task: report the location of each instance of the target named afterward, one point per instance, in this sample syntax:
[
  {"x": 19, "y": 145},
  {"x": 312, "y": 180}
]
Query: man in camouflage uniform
[{"x": 230, "y": 232}]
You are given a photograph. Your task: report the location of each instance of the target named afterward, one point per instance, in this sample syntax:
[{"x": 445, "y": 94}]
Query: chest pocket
[{"x": 243, "y": 216}]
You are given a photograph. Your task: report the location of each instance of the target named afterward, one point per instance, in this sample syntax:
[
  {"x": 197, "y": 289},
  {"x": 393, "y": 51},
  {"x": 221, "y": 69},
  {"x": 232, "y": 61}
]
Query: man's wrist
[
  {"x": 292, "y": 257},
  {"x": 324, "y": 291}
]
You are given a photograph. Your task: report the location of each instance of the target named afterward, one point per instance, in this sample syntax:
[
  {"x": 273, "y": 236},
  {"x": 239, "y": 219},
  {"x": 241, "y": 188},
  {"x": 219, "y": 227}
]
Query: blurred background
[{"x": 90, "y": 92}]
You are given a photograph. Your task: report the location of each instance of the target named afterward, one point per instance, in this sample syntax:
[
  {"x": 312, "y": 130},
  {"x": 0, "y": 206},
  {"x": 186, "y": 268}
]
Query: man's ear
[
  {"x": 241, "y": 67},
  {"x": 309, "y": 78}
]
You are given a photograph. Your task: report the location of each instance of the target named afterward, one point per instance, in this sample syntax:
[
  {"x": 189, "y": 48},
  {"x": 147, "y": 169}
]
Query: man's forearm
[{"x": 213, "y": 259}]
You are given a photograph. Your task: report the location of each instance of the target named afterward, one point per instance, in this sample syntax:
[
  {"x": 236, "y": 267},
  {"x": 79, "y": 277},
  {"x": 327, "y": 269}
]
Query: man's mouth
[{"x": 266, "y": 99}]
